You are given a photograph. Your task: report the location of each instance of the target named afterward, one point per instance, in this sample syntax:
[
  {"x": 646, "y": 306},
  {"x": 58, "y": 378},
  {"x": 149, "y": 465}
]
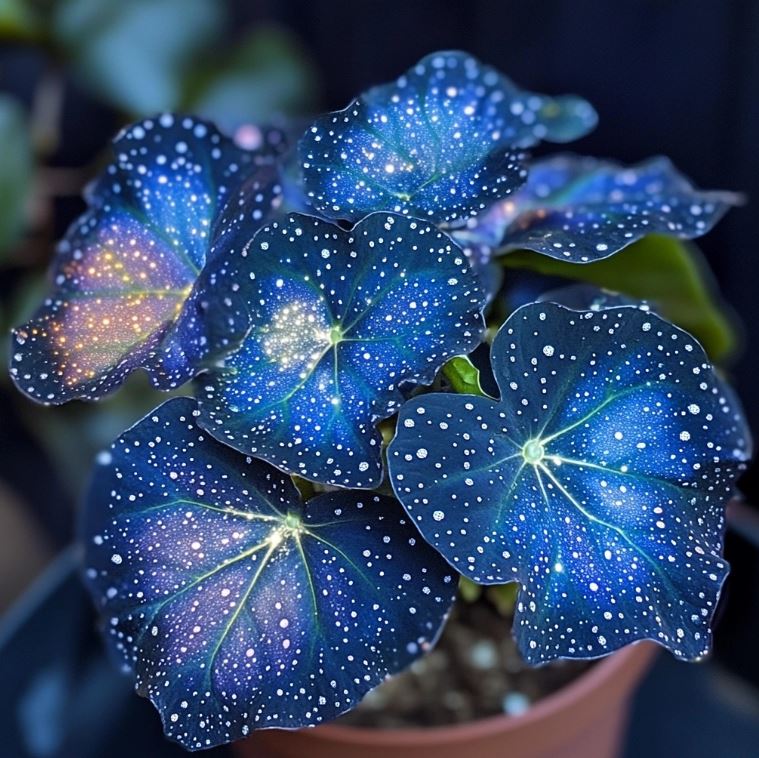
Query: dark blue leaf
[
  {"x": 597, "y": 481},
  {"x": 337, "y": 323},
  {"x": 582, "y": 209},
  {"x": 236, "y": 605},
  {"x": 587, "y": 297},
  {"x": 442, "y": 142},
  {"x": 123, "y": 276}
]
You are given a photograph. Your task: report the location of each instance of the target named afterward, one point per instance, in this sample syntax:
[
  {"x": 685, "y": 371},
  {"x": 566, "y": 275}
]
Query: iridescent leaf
[
  {"x": 582, "y": 209},
  {"x": 123, "y": 275},
  {"x": 597, "y": 481},
  {"x": 236, "y": 605},
  {"x": 338, "y": 323},
  {"x": 442, "y": 142}
]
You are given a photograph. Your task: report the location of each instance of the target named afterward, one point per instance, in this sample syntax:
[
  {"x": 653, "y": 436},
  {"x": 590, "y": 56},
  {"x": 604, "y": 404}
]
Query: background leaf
[
  {"x": 668, "y": 273},
  {"x": 581, "y": 209},
  {"x": 136, "y": 54},
  {"x": 19, "y": 19},
  {"x": 267, "y": 75},
  {"x": 15, "y": 172}
]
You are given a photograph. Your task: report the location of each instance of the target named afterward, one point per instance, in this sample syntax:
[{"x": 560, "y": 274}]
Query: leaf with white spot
[
  {"x": 236, "y": 605},
  {"x": 123, "y": 276},
  {"x": 338, "y": 324},
  {"x": 597, "y": 481},
  {"x": 442, "y": 142},
  {"x": 587, "y": 297},
  {"x": 582, "y": 209}
]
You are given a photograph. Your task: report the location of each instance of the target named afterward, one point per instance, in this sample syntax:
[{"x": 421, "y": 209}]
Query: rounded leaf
[
  {"x": 236, "y": 605},
  {"x": 597, "y": 481},
  {"x": 337, "y": 324},
  {"x": 442, "y": 142},
  {"x": 123, "y": 276}
]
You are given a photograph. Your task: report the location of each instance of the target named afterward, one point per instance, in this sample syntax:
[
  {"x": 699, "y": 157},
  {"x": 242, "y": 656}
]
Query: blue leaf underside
[
  {"x": 123, "y": 276},
  {"x": 337, "y": 324},
  {"x": 598, "y": 480},
  {"x": 237, "y": 606},
  {"x": 583, "y": 209},
  {"x": 442, "y": 142}
]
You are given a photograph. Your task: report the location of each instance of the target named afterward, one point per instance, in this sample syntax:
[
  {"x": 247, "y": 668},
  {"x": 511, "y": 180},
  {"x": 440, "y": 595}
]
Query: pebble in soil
[{"x": 475, "y": 671}]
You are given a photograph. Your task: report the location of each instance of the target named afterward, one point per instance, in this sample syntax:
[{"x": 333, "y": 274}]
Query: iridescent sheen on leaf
[
  {"x": 582, "y": 209},
  {"x": 237, "y": 606},
  {"x": 123, "y": 276},
  {"x": 442, "y": 142},
  {"x": 597, "y": 481},
  {"x": 338, "y": 323}
]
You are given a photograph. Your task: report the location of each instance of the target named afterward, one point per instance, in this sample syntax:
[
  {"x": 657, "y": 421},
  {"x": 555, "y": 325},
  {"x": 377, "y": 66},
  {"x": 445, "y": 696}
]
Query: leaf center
[
  {"x": 298, "y": 336},
  {"x": 533, "y": 452}
]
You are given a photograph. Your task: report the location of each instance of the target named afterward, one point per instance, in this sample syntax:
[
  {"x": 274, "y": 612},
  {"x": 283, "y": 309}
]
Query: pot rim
[{"x": 624, "y": 666}]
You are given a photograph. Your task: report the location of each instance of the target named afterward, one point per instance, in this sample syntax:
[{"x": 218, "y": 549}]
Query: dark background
[{"x": 673, "y": 77}]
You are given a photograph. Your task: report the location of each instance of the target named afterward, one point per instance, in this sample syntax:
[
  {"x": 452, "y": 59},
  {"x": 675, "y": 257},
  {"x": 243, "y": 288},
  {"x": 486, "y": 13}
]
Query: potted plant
[{"x": 265, "y": 553}]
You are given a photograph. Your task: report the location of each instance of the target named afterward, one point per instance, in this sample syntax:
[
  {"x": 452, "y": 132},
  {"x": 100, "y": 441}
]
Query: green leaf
[
  {"x": 503, "y": 597},
  {"x": 670, "y": 273},
  {"x": 15, "y": 172},
  {"x": 136, "y": 54},
  {"x": 469, "y": 591},
  {"x": 19, "y": 20},
  {"x": 463, "y": 375},
  {"x": 267, "y": 75}
]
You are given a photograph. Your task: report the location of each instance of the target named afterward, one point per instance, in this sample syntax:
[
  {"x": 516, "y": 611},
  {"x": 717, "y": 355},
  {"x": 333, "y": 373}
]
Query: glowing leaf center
[
  {"x": 293, "y": 521},
  {"x": 298, "y": 335},
  {"x": 533, "y": 452}
]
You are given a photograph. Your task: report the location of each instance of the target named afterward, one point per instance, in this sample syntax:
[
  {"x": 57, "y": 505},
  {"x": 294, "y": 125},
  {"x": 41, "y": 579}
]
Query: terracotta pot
[{"x": 585, "y": 719}]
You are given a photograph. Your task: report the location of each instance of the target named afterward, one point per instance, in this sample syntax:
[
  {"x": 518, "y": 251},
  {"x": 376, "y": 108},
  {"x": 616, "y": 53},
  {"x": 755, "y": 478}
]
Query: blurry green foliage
[
  {"x": 145, "y": 56},
  {"x": 265, "y": 76},
  {"x": 19, "y": 19},
  {"x": 502, "y": 596},
  {"x": 15, "y": 172},
  {"x": 668, "y": 272},
  {"x": 136, "y": 54}
]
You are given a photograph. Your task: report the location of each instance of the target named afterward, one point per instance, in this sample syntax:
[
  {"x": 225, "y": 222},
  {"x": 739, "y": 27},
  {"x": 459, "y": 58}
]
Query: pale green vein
[
  {"x": 273, "y": 546},
  {"x": 592, "y": 413},
  {"x": 199, "y": 580},
  {"x": 616, "y": 472},
  {"x": 244, "y": 515},
  {"x": 612, "y": 527}
]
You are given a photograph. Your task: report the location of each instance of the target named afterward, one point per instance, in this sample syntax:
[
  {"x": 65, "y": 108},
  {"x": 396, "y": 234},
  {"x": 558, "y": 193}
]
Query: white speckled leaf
[
  {"x": 442, "y": 142},
  {"x": 122, "y": 292},
  {"x": 336, "y": 323},
  {"x": 581, "y": 209},
  {"x": 236, "y": 605},
  {"x": 597, "y": 481}
]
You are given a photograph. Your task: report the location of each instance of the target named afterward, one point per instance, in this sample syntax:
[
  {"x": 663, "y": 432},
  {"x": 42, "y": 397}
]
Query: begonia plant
[{"x": 269, "y": 547}]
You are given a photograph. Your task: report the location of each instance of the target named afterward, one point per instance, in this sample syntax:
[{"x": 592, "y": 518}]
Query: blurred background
[{"x": 667, "y": 77}]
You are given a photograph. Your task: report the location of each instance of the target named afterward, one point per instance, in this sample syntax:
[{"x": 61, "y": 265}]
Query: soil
[{"x": 473, "y": 672}]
